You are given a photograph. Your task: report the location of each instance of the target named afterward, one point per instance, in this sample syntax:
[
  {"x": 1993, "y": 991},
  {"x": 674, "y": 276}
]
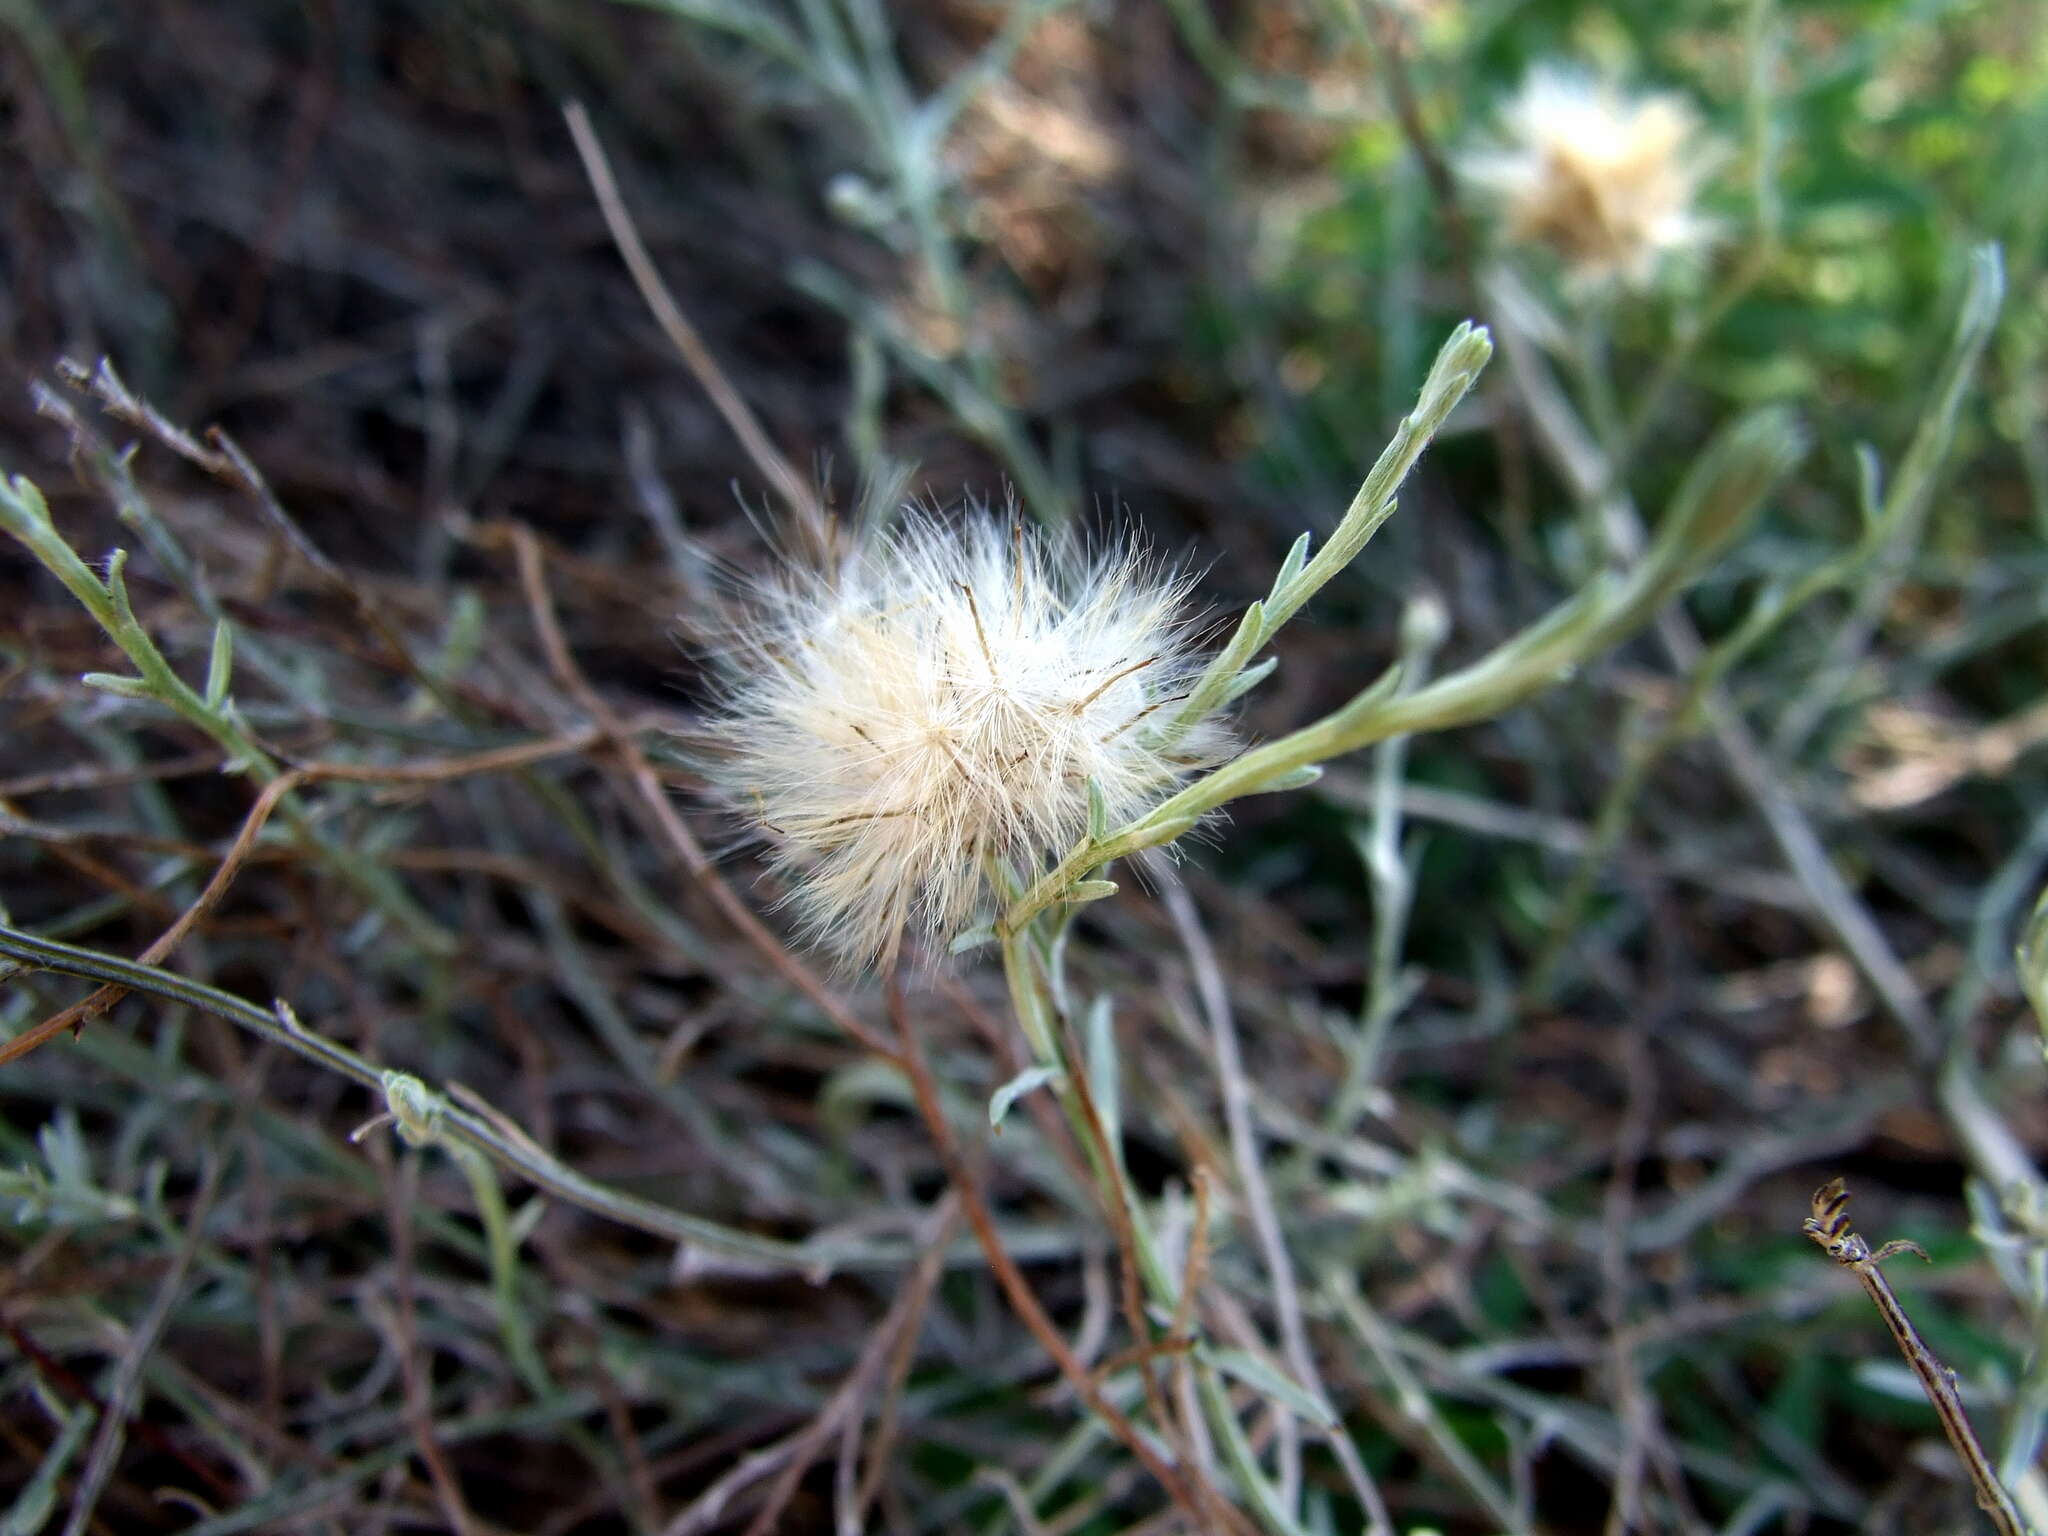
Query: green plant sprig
[
  {"x": 425, "y": 1116},
  {"x": 26, "y": 516},
  {"x": 1457, "y": 367},
  {"x": 1725, "y": 487},
  {"x": 1895, "y": 516},
  {"x": 1890, "y": 518}
]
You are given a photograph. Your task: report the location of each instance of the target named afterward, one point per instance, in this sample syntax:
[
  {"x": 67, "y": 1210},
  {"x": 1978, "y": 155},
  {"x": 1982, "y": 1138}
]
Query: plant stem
[{"x": 434, "y": 1116}]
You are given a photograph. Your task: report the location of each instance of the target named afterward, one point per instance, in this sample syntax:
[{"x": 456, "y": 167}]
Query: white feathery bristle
[
  {"x": 937, "y": 707},
  {"x": 1606, "y": 180}
]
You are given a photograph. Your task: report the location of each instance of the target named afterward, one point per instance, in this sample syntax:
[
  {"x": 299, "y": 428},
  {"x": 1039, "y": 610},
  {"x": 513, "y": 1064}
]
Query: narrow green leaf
[
  {"x": 1293, "y": 778},
  {"x": 1869, "y": 485},
  {"x": 220, "y": 666},
  {"x": 1089, "y": 890},
  {"x": 1000, "y": 1101},
  {"x": 1249, "y": 679},
  {"x": 1271, "y": 1382},
  {"x": 525, "y": 1219},
  {"x": 1104, "y": 1076},
  {"x": 973, "y": 938},
  {"x": 123, "y": 687},
  {"x": 1290, "y": 567},
  {"x": 117, "y": 588},
  {"x": 22, "y": 508}
]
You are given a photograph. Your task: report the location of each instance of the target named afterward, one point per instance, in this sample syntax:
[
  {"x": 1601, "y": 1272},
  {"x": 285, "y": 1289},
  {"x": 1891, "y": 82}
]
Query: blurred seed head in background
[{"x": 1604, "y": 179}]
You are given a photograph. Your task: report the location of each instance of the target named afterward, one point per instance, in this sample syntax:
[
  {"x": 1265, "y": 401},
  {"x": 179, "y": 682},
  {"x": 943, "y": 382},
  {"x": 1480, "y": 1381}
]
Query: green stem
[
  {"x": 432, "y": 1116},
  {"x": 1726, "y": 486},
  {"x": 1458, "y": 364},
  {"x": 25, "y": 515},
  {"x": 514, "y": 1327},
  {"x": 1031, "y": 997}
]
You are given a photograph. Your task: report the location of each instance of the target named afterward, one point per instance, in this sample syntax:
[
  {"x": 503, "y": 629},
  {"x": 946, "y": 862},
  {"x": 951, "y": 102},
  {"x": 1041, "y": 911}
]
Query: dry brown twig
[
  {"x": 792, "y": 1456},
  {"x": 1934, "y": 757},
  {"x": 774, "y": 466},
  {"x": 653, "y": 800},
  {"x": 1829, "y": 1227},
  {"x": 433, "y": 770},
  {"x": 83, "y": 1012},
  {"x": 415, "y": 1365},
  {"x": 222, "y": 457}
]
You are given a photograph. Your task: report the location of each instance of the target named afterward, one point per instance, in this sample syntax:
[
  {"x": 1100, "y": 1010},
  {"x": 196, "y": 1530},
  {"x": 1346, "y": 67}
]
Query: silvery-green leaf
[
  {"x": 123, "y": 687},
  {"x": 972, "y": 938},
  {"x": 1249, "y": 679},
  {"x": 117, "y": 586},
  {"x": 1000, "y": 1101},
  {"x": 1293, "y": 778},
  {"x": 26, "y": 504},
  {"x": 525, "y": 1219},
  {"x": 1099, "y": 1041},
  {"x": 1869, "y": 484},
  {"x": 1290, "y": 567},
  {"x": 1270, "y": 1382},
  {"x": 220, "y": 665}
]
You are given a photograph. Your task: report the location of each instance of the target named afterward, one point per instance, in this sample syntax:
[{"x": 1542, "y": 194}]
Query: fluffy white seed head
[
  {"x": 938, "y": 706},
  {"x": 1606, "y": 180}
]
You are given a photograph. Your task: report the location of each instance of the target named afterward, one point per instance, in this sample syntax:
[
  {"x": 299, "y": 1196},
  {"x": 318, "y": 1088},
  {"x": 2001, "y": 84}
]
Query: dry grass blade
[{"x": 774, "y": 466}]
